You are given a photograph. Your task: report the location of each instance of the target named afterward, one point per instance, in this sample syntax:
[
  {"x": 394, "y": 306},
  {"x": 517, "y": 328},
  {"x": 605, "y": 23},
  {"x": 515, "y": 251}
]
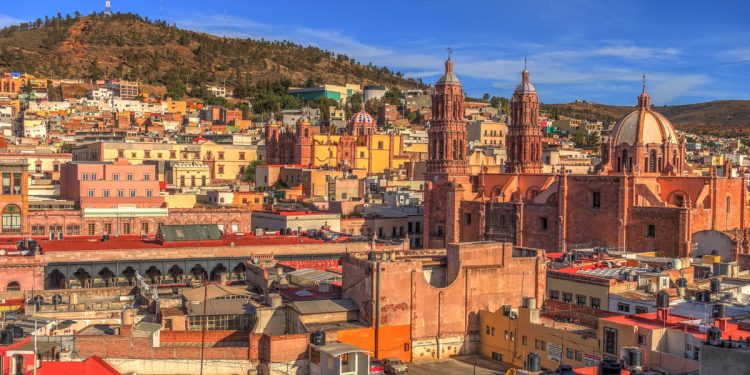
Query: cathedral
[
  {"x": 359, "y": 146},
  {"x": 640, "y": 198}
]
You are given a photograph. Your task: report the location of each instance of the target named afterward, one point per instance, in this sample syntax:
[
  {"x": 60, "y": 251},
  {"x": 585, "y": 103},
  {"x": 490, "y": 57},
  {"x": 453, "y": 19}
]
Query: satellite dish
[{"x": 743, "y": 299}]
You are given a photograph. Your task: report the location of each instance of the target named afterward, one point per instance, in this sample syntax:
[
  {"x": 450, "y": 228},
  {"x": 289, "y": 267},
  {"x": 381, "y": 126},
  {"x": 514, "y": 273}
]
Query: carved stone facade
[{"x": 640, "y": 198}]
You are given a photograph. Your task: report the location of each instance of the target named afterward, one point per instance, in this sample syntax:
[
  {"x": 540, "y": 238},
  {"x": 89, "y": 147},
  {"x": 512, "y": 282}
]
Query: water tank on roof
[
  {"x": 533, "y": 362},
  {"x": 678, "y": 264},
  {"x": 713, "y": 334},
  {"x": 634, "y": 357},
  {"x": 715, "y": 286},
  {"x": 274, "y": 300},
  {"x": 720, "y": 311},
  {"x": 318, "y": 338},
  {"x": 610, "y": 366},
  {"x": 681, "y": 282},
  {"x": 662, "y": 299}
]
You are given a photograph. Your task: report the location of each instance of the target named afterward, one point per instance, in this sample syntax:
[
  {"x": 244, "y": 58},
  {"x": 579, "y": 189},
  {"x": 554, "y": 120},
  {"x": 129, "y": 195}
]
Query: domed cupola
[
  {"x": 362, "y": 123},
  {"x": 643, "y": 141}
]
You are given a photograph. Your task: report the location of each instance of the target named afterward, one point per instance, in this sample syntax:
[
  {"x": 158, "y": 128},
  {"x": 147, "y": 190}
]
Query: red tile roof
[
  {"x": 91, "y": 366},
  {"x": 136, "y": 242}
]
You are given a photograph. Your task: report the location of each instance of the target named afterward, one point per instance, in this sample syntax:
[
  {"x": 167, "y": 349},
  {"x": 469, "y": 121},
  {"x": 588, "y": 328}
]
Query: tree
[
  {"x": 176, "y": 89},
  {"x": 250, "y": 170},
  {"x": 486, "y": 96}
]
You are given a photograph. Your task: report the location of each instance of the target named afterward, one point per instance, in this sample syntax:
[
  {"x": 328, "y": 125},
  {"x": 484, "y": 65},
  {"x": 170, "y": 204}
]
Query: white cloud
[
  {"x": 610, "y": 67},
  {"x": 6, "y": 20}
]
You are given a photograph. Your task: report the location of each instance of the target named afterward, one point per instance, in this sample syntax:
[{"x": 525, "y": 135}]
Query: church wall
[
  {"x": 535, "y": 234},
  {"x": 584, "y": 222},
  {"x": 666, "y": 221}
]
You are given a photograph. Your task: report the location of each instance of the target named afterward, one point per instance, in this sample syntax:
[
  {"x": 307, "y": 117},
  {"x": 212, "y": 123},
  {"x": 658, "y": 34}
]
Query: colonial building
[
  {"x": 640, "y": 198},
  {"x": 358, "y": 146}
]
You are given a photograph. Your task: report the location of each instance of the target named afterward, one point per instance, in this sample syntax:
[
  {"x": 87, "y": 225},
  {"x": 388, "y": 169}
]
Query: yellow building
[
  {"x": 225, "y": 162},
  {"x": 510, "y": 336},
  {"x": 487, "y": 133},
  {"x": 189, "y": 175},
  {"x": 374, "y": 153}
]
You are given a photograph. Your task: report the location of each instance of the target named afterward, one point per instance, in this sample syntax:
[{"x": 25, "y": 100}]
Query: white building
[{"x": 294, "y": 221}]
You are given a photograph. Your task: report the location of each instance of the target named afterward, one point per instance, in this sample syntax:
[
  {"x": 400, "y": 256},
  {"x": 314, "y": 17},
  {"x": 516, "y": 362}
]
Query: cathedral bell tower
[
  {"x": 524, "y": 134},
  {"x": 447, "y": 175}
]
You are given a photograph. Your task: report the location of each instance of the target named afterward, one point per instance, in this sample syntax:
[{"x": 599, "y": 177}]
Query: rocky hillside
[
  {"x": 723, "y": 117},
  {"x": 129, "y": 46}
]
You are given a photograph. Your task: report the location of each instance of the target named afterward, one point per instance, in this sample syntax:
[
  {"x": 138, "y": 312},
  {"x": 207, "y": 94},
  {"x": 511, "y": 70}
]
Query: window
[
  {"x": 596, "y": 199},
  {"x": 579, "y": 356},
  {"x": 192, "y": 181},
  {"x": 107, "y": 228},
  {"x": 146, "y": 154},
  {"x": 120, "y": 193},
  {"x": 580, "y": 300},
  {"x": 129, "y": 177},
  {"x": 570, "y": 353},
  {"x": 91, "y": 227},
  {"x": 221, "y": 169},
  {"x": 610, "y": 340},
  {"x": 172, "y": 154},
  {"x": 73, "y": 230},
  {"x": 567, "y": 297},
  {"x": 242, "y": 156},
  {"x": 679, "y": 200},
  {"x": 90, "y": 193},
  {"x": 132, "y": 193},
  {"x": 221, "y": 155},
  {"x": 543, "y": 224},
  {"x": 37, "y": 230},
  {"x": 203, "y": 180},
  {"x": 11, "y": 219},
  {"x": 554, "y": 295},
  {"x": 523, "y": 340},
  {"x": 126, "y": 228},
  {"x": 144, "y": 228},
  {"x": 149, "y": 193},
  {"x": 182, "y": 181},
  {"x": 487, "y": 330},
  {"x": 13, "y": 286},
  {"x": 467, "y": 218},
  {"x": 380, "y": 145},
  {"x": 115, "y": 177},
  {"x": 120, "y": 153},
  {"x": 93, "y": 176},
  {"x": 146, "y": 177},
  {"x": 624, "y": 307},
  {"x": 651, "y": 231},
  {"x": 105, "y": 193},
  {"x": 596, "y": 303},
  {"x": 641, "y": 310},
  {"x": 85, "y": 177},
  {"x": 641, "y": 340}
]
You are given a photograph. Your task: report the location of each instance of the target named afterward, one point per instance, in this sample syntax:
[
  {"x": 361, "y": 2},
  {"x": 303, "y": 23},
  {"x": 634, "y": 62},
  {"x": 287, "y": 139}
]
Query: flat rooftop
[{"x": 136, "y": 242}]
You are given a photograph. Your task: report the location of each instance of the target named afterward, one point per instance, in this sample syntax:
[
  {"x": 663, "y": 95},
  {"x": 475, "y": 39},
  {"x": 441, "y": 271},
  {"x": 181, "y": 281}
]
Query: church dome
[
  {"x": 362, "y": 118},
  {"x": 643, "y": 126},
  {"x": 525, "y": 85},
  {"x": 449, "y": 78}
]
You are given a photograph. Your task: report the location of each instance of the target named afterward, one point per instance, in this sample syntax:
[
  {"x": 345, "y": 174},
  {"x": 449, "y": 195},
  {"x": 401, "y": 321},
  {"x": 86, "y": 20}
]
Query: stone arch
[
  {"x": 710, "y": 242},
  {"x": 54, "y": 280},
  {"x": 678, "y": 198},
  {"x": 217, "y": 271},
  {"x": 107, "y": 277},
  {"x": 129, "y": 275},
  {"x": 198, "y": 272},
  {"x": 532, "y": 193},
  {"x": 497, "y": 191},
  {"x": 176, "y": 273},
  {"x": 238, "y": 272},
  {"x": 83, "y": 277},
  {"x": 13, "y": 286},
  {"x": 153, "y": 274}
]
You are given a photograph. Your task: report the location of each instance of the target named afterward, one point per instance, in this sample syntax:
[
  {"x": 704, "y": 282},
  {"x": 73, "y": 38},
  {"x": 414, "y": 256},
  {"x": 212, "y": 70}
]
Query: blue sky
[{"x": 690, "y": 51}]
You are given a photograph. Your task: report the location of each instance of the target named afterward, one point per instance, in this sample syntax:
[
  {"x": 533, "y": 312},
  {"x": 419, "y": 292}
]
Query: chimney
[{"x": 662, "y": 314}]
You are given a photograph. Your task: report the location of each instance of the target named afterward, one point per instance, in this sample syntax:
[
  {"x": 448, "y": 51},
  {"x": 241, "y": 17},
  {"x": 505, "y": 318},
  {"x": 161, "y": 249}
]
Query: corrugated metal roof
[
  {"x": 324, "y": 306},
  {"x": 310, "y": 275},
  {"x": 336, "y": 349},
  {"x": 192, "y": 232},
  {"x": 214, "y": 291},
  {"x": 222, "y": 307}
]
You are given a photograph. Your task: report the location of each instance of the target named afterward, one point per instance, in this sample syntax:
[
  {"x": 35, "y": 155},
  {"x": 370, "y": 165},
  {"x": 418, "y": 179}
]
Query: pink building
[{"x": 110, "y": 184}]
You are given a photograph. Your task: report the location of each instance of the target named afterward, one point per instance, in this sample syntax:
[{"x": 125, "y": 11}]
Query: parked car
[
  {"x": 376, "y": 367},
  {"x": 394, "y": 366}
]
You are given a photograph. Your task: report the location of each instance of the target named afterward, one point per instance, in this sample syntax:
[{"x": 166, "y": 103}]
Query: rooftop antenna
[
  {"x": 644, "y": 82},
  {"x": 525, "y": 63},
  {"x": 107, "y": 8}
]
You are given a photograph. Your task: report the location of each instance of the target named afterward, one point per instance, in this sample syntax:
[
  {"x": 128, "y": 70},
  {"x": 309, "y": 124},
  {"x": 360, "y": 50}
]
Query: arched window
[
  {"x": 652, "y": 161},
  {"x": 625, "y": 159},
  {"x": 13, "y": 286},
  {"x": 11, "y": 219}
]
